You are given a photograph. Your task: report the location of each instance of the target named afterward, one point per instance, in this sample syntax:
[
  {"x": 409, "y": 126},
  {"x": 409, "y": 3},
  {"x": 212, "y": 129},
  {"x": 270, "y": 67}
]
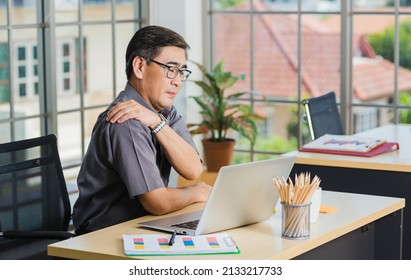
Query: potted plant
[{"x": 221, "y": 112}]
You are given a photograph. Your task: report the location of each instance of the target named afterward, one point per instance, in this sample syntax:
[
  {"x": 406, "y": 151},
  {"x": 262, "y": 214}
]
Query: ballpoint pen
[{"x": 173, "y": 236}]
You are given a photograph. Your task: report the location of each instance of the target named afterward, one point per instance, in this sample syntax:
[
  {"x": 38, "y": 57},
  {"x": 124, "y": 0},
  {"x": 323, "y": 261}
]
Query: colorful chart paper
[
  {"x": 138, "y": 243},
  {"x": 158, "y": 244}
]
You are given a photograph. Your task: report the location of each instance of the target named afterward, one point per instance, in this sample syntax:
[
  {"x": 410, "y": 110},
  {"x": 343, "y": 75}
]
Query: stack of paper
[
  {"x": 349, "y": 145},
  {"x": 158, "y": 244},
  {"x": 345, "y": 143}
]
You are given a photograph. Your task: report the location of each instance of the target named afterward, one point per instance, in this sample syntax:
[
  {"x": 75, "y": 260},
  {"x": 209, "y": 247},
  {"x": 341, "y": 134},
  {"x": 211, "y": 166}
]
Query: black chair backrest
[
  {"x": 33, "y": 193},
  {"x": 323, "y": 116}
]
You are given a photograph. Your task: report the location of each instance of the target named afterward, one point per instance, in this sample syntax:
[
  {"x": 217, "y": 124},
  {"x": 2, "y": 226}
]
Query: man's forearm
[{"x": 182, "y": 156}]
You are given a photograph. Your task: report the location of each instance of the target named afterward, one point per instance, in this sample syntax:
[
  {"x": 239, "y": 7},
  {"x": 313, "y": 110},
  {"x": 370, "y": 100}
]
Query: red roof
[{"x": 276, "y": 58}]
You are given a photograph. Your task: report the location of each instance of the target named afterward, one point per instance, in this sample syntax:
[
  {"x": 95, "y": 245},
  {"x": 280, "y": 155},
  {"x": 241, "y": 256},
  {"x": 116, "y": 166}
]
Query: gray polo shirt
[{"x": 122, "y": 161}]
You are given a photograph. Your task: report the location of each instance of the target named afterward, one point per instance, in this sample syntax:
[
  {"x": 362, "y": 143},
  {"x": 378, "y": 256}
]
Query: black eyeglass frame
[{"x": 184, "y": 73}]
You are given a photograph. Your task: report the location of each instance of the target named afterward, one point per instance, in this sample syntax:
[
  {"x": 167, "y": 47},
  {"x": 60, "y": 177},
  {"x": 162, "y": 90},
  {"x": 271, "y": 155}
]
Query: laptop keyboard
[{"x": 189, "y": 225}]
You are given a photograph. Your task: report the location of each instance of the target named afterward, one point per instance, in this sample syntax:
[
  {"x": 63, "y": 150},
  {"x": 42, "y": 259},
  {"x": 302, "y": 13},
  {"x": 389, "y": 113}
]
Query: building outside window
[
  {"x": 26, "y": 70},
  {"x": 61, "y": 64},
  {"x": 291, "y": 50},
  {"x": 66, "y": 75}
]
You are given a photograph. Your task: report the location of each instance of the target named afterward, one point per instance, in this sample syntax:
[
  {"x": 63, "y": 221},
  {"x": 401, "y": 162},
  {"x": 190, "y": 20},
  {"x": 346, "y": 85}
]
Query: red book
[{"x": 380, "y": 149}]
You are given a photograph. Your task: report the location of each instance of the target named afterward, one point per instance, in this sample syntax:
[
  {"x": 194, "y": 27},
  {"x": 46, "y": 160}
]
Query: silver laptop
[{"x": 242, "y": 194}]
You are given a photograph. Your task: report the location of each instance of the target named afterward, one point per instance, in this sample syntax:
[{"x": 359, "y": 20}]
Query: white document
[
  {"x": 158, "y": 244},
  {"x": 344, "y": 143}
]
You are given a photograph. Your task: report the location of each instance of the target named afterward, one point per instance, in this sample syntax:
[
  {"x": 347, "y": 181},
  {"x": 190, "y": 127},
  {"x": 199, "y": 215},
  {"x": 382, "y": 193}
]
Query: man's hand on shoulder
[{"x": 130, "y": 109}]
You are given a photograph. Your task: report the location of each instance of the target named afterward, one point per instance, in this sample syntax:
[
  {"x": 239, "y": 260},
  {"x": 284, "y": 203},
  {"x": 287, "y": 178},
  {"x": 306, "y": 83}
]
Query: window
[
  {"x": 34, "y": 52},
  {"x": 297, "y": 49},
  {"x": 22, "y": 71},
  {"x": 21, "y": 53},
  {"x": 61, "y": 80},
  {"x": 27, "y": 69},
  {"x": 22, "y": 90},
  {"x": 64, "y": 60},
  {"x": 4, "y": 73},
  {"x": 365, "y": 119}
]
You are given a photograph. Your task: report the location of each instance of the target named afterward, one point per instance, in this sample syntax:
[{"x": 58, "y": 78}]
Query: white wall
[{"x": 186, "y": 18}]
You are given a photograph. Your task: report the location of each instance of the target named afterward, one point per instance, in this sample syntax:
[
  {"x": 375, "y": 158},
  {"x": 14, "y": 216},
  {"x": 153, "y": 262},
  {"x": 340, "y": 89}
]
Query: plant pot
[{"x": 218, "y": 154}]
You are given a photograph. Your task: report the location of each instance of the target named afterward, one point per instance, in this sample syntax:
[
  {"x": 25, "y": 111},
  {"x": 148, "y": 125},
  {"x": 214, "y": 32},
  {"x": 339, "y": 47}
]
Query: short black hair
[{"x": 148, "y": 41}]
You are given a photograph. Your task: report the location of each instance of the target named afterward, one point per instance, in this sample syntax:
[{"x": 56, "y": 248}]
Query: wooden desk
[
  {"x": 387, "y": 174},
  {"x": 207, "y": 177},
  {"x": 344, "y": 234},
  {"x": 399, "y": 160}
]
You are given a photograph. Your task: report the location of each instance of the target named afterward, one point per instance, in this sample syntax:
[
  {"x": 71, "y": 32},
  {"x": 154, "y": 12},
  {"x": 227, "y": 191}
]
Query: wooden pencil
[{"x": 295, "y": 196}]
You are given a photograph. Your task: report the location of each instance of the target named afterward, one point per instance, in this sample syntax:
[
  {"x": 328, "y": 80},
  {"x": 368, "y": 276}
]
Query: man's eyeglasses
[{"x": 172, "y": 71}]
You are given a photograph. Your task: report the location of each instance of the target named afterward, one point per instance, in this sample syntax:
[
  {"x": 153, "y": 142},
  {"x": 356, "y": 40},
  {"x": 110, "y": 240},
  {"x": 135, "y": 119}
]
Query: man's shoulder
[
  {"x": 103, "y": 127},
  {"x": 131, "y": 125},
  {"x": 171, "y": 114}
]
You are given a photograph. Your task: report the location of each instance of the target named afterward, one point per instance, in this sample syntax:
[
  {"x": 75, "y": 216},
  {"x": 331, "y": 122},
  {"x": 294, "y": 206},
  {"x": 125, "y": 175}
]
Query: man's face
[{"x": 157, "y": 89}]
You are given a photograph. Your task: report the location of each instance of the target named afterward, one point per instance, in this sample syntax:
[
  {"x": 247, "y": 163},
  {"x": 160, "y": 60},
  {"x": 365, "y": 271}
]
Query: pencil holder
[{"x": 295, "y": 221}]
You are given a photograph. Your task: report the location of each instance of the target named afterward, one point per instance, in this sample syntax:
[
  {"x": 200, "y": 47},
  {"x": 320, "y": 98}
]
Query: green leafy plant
[
  {"x": 405, "y": 115},
  {"x": 221, "y": 112}
]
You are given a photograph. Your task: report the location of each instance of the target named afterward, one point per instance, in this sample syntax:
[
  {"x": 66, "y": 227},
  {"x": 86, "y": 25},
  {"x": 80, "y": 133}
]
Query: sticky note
[{"x": 327, "y": 209}]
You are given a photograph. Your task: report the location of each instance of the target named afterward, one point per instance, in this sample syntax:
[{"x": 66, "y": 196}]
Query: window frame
[
  {"x": 346, "y": 104},
  {"x": 49, "y": 63}
]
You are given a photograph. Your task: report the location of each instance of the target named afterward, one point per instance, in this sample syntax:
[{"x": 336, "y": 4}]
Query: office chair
[
  {"x": 34, "y": 204},
  {"x": 323, "y": 116}
]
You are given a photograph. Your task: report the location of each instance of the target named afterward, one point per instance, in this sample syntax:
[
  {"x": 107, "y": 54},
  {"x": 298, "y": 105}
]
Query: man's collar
[{"x": 131, "y": 93}]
